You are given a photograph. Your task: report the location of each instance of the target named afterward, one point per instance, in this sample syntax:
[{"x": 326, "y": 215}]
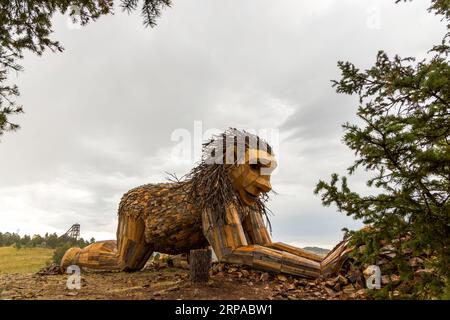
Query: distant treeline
[{"x": 48, "y": 241}]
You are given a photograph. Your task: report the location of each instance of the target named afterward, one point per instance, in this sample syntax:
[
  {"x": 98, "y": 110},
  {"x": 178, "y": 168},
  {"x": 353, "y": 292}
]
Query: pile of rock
[
  {"x": 291, "y": 287},
  {"x": 418, "y": 263},
  {"x": 52, "y": 269},
  {"x": 350, "y": 283}
]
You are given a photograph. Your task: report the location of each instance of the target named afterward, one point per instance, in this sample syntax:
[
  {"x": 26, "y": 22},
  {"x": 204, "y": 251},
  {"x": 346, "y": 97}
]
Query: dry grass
[{"x": 24, "y": 260}]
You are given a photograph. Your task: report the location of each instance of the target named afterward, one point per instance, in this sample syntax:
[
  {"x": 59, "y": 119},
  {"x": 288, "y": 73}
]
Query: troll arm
[
  {"x": 229, "y": 241},
  {"x": 254, "y": 226}
]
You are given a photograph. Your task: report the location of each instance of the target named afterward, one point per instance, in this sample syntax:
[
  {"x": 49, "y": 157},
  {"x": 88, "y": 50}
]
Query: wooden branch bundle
[{"x": 199, "y": 264}]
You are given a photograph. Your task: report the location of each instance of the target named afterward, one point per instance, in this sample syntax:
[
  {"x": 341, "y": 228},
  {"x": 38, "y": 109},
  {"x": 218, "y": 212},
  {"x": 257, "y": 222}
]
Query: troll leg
[{"x": 129, "y": 253}]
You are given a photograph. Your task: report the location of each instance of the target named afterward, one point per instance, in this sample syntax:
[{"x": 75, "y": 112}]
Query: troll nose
[{"x": 263, "y": 184}]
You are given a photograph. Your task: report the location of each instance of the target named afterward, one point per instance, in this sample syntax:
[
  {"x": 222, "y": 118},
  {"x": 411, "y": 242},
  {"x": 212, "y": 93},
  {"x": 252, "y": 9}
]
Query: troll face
[{"x": 252, "y": 177}]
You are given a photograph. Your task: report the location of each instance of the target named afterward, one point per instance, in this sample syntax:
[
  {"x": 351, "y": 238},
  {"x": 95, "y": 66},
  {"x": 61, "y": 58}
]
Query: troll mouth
[{"x": 251, "y": 195}]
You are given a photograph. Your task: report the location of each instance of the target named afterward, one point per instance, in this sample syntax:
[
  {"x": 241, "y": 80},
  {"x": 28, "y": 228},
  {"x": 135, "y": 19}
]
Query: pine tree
[
  {"x": 27, "y": 25},
  {"x": 404, "y": 142}
]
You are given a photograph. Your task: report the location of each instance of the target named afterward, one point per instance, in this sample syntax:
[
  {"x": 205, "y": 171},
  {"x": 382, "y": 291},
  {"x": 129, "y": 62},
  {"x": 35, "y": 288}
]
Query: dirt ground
[{"x": 226, "y": 282}]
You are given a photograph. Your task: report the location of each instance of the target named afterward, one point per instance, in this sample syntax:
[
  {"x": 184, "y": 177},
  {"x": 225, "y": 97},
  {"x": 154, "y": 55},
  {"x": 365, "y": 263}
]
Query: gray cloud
[{"x": 99, "y": 117}]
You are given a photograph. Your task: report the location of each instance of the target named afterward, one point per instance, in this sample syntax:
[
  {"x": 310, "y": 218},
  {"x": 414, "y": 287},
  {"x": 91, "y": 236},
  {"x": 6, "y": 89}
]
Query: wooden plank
[
  {"x": 334, "y": 260},
  {"x": 299, "y": 262},
  {"x": 268, "y": 259},
  {"x": 229, "y": 236},
  {"x": 296, "y": 251},
  {"x": 299, "y": 271},
  {"x": 267, "y": 265},
  {"x": 242, "y": 255}
]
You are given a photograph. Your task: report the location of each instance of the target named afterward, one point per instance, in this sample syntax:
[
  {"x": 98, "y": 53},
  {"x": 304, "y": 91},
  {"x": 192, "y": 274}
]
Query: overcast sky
[{"x": 100, "y": 116}]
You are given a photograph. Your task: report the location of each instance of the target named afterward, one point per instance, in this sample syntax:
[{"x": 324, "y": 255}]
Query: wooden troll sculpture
[{"x": 220, "y": 203}]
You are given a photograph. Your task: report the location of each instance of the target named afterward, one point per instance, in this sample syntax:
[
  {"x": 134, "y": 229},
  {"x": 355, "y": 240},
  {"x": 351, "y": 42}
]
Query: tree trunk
[{"x": 199, "y": 263}]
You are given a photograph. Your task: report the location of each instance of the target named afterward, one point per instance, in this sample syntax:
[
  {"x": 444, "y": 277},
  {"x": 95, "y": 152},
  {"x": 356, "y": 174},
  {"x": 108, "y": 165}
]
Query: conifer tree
[{"x": 403, "y": 141}]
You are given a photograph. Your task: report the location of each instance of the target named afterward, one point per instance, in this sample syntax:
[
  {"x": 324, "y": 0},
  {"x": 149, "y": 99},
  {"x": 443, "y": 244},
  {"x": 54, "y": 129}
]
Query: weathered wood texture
[
  {"x": 199, "y": 264},
  {"x": 296, "y": 251},
  {"x": 334, "y": 260},
  {"x": 252, "y": 246},
  {"x": 172, "y": 223},
  {"x": 216, "y": 204},
  {"x": 158, "y": 217},
  {"x": 152, "y": 217}
]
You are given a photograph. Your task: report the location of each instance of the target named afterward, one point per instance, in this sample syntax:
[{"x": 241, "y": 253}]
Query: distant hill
[{"x": 319, "y": 251}]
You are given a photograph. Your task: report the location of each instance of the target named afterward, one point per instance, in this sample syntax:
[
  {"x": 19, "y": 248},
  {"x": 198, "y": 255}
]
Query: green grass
[{"x": 24, "y": 260}]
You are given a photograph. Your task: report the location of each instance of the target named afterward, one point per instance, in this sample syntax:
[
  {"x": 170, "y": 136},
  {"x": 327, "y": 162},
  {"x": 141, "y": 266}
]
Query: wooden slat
[{"x": 296, "y": 251}]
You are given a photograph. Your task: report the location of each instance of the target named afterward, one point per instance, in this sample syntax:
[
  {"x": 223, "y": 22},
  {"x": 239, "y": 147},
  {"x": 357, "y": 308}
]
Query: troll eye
[{"x": 254, "y": 166}]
